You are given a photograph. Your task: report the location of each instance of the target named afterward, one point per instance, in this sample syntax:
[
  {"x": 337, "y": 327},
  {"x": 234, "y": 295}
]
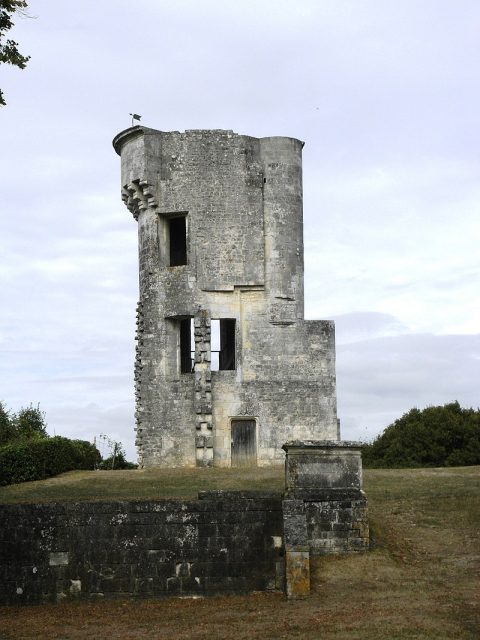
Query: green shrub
[
  {"x": 118, "y": 463},
  {"x": 42, "y": 458},
  {"x": 434, "y": 437},
  {"x": 117, "y": 460}
]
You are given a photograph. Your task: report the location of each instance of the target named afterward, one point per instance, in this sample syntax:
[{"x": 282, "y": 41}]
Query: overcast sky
[{"x": 386, "y": 96}]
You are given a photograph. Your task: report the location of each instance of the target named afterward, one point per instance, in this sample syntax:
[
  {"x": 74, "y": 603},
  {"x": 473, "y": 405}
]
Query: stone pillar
[
  {"x": 203, "y": 390},
  {"x": 297, "y": 552},
  {"x": 325, "y": 509}
]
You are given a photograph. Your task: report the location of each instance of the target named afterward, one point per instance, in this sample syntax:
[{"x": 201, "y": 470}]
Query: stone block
[
  {"x": 317, "y": 465},
  {"x": 58, "y": 558},
  {"x": 297, "y": 574},
  {"x": 295, "y": 531}
]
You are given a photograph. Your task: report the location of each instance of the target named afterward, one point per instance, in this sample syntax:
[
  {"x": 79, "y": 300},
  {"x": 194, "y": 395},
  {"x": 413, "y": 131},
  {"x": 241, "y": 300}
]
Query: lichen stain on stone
[
  {"x": 182, "y": 569},
  {"x": 75, "y": 587},
  {"x": 297, "y": 574},
  {"x": 119, "y": 518}
]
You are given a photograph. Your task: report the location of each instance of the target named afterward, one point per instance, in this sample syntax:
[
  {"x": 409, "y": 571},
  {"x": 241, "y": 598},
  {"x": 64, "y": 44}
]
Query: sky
[{"x": 385, "y": 96}]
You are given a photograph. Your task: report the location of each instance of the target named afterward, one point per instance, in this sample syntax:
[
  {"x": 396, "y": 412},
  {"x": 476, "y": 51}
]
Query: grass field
[
  {"x": 420, "y": 581},
  {"x": 141, "y": 484}
]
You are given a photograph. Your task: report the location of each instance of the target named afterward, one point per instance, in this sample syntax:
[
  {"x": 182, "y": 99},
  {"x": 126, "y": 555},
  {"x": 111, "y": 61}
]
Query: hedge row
[{"x": 45, "y": 457}]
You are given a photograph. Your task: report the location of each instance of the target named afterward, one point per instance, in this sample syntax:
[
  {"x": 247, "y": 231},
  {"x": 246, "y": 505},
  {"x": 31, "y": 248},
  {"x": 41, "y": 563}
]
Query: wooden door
[{"x": 244, "y": 443}]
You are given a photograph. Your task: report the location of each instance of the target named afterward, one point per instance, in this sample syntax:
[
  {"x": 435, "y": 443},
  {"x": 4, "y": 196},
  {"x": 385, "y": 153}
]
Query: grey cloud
[
  {"x": 355, "y": 327},
  {"x": 379, "y": 379}
]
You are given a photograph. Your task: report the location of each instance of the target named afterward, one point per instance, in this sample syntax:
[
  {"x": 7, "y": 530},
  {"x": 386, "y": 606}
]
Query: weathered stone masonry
[
  {"x": 221, "y": 241},
  {"x": 219, "y": 544},
  {"x": 225, "y": 542}
]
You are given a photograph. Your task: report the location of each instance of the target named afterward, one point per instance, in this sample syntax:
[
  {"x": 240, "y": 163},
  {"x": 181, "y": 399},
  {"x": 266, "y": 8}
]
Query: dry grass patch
[{"x": 419, "y": 583}]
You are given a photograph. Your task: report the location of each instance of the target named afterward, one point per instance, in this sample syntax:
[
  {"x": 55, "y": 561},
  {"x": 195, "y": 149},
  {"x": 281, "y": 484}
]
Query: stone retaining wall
[{"x": 218, "y": 544}]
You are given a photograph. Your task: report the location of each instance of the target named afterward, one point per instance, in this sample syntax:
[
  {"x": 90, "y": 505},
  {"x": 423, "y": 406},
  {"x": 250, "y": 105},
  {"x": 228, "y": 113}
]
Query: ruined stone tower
[{"x": 227, "y": 369}]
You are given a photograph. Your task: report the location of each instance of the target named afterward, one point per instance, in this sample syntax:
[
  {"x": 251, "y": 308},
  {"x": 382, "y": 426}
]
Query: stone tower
[{"x": 227, "y": 368}]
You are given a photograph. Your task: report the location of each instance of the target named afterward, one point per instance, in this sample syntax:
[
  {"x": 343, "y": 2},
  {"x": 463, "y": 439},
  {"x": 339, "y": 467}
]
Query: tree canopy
[
  {"x": 447, "y": 435},
  {"x": 9, "y": 52},
  {"x": 29, "y": 423}
]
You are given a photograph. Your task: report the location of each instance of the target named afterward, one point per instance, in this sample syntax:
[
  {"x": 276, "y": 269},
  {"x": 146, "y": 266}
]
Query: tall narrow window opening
[
  {"x": 227, "y": 345},
  {"x": 187, "y": 353},
  {"x": 223, "y": 345},
  {"x": 177, "y": 232}
]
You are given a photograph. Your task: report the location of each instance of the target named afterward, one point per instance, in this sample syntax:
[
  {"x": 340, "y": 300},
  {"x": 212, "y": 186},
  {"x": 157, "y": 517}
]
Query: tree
[
  {"x": 30, "y": 423},
  {"x": 117, "y": 459},
  {"x": 9, "y": 52},
  {"x": 447, "y": 435},
  {"x": 7, "y": 430}
]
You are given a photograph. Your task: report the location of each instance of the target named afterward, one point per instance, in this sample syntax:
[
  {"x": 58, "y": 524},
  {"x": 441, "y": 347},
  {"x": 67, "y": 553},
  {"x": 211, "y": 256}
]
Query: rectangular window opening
[
  {"x": 187, "y": 346},
  {"x": 223, "y": 345},
  {"x": 177, "y": 232}
]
